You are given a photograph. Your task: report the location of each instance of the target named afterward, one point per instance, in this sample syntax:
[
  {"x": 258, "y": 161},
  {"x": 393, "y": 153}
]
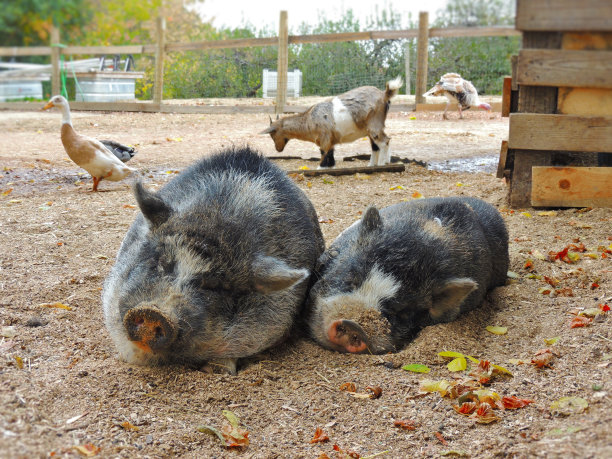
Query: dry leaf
[
  {"x": 497, "y": 330},
  {"x": 405, "y": 424},
  {"x": 542, "y": 358},
  {"x": 484, "y": 414},
  {"x": 349, "y": 387},
  {"x": 319, "y": 436},
  {"x": 56, "y": 305},
  {"x": 466, "y": 408},
  {"x": 580, "y": 321},
  {"x": 512, "y": 402},
  {"x": 376, "y": 391},
  {"x": 129, "y": 426},
  {"x": 87, "y": 450}
]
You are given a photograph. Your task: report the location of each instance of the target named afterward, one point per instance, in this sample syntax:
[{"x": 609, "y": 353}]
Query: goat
[{"x": 345, "y": 118}]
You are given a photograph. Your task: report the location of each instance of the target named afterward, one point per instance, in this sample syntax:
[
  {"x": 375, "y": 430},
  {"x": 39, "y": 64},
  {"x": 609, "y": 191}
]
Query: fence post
[
  {"x": 55, "y": 61},
  {"x": 407, "y": 59},
  {"x": 158, "y": 87},
  {"x": 422, "y": 55},
  {"x": 283, "y": 63}
]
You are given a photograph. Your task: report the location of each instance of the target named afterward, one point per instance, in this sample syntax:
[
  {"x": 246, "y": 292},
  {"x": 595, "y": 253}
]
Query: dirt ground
[{"x": 64, "y": 393}]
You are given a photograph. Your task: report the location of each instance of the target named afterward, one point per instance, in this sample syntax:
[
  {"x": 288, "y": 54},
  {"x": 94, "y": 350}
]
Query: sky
[{"x": 233, "y": 13}]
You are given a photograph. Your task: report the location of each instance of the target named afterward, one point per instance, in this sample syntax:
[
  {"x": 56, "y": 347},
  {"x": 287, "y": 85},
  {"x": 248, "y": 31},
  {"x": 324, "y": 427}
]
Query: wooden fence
[{"x": 282, "y": 41}]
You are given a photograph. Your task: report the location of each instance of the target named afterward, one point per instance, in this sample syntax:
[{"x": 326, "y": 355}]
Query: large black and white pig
[
  {"x": 404, "y": 267},
  {"x": 215, "y": 267}
]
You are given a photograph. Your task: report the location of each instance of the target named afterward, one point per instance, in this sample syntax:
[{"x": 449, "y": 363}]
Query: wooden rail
[{"x": 282, "y": 41}]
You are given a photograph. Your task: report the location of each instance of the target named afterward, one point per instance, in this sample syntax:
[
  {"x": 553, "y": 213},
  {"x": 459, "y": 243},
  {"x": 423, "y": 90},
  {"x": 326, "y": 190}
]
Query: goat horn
[{"x": 270, "y": 120}]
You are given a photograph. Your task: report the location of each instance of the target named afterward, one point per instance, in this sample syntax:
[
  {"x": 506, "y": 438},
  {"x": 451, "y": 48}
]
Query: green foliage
[{"x": 28, "y": 22}]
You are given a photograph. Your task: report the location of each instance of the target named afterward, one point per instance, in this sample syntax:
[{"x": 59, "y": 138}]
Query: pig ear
[
  {"x": 151, "y": 205},
  {"x": 370, "y": 222},
  {"x": 273, "y": 274},
  {"x": 446, "y": 301}
]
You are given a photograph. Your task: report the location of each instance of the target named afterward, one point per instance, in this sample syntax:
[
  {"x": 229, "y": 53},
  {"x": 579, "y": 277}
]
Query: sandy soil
[{"x": 62, "y": 386}]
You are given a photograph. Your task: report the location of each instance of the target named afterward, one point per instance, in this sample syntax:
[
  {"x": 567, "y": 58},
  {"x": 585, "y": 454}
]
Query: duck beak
[{"x": 48, "y": 106}]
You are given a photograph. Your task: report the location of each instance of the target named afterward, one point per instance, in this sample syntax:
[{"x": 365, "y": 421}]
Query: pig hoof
[
  {"x": 221, "y": 366},
  {"x": 149, "y": 328},
  {"x": 348, "y": 335}
]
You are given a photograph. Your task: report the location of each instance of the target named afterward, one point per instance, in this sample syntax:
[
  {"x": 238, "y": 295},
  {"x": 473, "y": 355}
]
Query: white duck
[
  {"x": 88, "y": 153},
  {"x": 456, "y": 89}
]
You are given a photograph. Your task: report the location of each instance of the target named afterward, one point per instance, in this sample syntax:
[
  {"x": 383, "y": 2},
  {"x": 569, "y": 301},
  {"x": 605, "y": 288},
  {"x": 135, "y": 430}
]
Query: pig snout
[
  {"x": 149, "y": 328},
  {"x": 348, "y": 335}
]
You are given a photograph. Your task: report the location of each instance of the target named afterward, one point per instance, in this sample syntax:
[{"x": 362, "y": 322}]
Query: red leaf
[
  {"x": 542, "y": 358},
  {"x": 466, "y": 408},
  {"x": 594, "y": 285},
  {"x": 484, "y": 414},
  {"x": 580, "y": 321},
  {"x": 512, "y": 402},
  {"x": 319, "y": 436},
  {"x": 604, "y": 307},
  {"x": 405, "y": 424}
]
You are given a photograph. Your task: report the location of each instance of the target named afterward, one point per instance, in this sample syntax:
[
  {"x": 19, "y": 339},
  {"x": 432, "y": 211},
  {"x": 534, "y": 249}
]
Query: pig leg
[
  {"x": 349, "y": 335},
  {"x": 229, "y": 366}
]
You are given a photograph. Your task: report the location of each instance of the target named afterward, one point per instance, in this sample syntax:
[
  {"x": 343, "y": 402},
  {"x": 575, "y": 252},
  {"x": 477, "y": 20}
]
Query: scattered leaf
[
  {"x": 516, "y": 361},
  {"x": 549, "y": 213},
  {"x": 539, "y": 255},
  {"x": 213, "y": 431},
  {"x": 19, "y": 362},
  {"x": 129, "y": 426},
  {"x": 450, "y": 354},
  {"x": 362, "y": 176},
  {"x": 319, "y": 436},
  {"x": 396, "y": 187},
  {"x": 417, "y": 195},
  {"x": 327, "y": 181},
  {"x": 129, "y": 206},
  {"x": 580, "y": 321},
  {"x": 375, "y": 391},
  {"x": 405, "y": 424},
  {"x": 7, "y": 192},
  {"x": 56, "y": 305},
  {"x": 513, "y": 403},
  {"x": 590, "y": 312},
  {"x": 551, "y": 341},
  {"x": 304, "y": 168},
  {"x": 459, "y": 184},
  {"x": 542, "y": 358},
  {"x": 562, "y": 432},
  {"x": 513, "y": 275},
  {"x": 458, "y": 364},
  {"x": 568, "y": 405},
  {"x": 497, "y": 330},
  {"x": 526, "y": 214},
  {"x": 349, "y": 387},
  {"x": 87, "y": 450},
  {"x": 466, "y": 408},
  {"x": 441, "y": 386},
  {"x": 416, "y": 368},
  {"x": 473, "y": 359},
  {"x": 484, "y": 414},
  {"x": 500, "y": 370}
]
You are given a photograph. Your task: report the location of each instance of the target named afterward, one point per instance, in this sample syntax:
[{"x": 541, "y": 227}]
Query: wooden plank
[
  {"x": 394, "y": 167},
  {"x": 587, "y": 40},
  {"x": 563, "y": 15},
  {"x": 506, "y": 97},
  {"x": 514, "y": 65},
  {"x": 495, "y": 107},
  {"x": 14, "y": 51},
  {"x": 158, "y": 84},
  {"x": 222, "y": 44},
  {"x": 474, "y": 32},
  {"x": 145, "y": 106},
  {"x": 585, "y": 101},
  {"x": 117, "y": 49},
  {"x": 503, "y": 153},
  {"x": 422, "y": 57},
  {"x": 585, "y": 69},
  {"x": 283, "y": 63},
  {"x": 560, "y": 132},
  {"x": 571, "y": 187},
  {"x": 55, "y": 63},
  {"x": 407, "y": 67}
]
